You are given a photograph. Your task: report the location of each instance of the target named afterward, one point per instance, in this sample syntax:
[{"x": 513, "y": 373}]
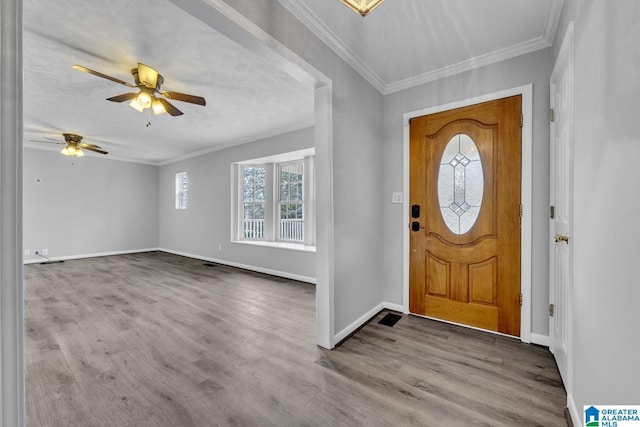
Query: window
[
  {"x": 182, "y": 185},
  {"x": 253, "y": 201},
  {"x": 275, "y": 197},
  {"x": 291, "y": 201}
]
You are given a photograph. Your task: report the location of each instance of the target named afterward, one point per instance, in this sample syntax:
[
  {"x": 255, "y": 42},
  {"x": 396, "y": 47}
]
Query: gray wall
[
  {"x": 205, "y": 224},
  {"x": 88, "y": 205},
  {"x": 531, "y": 68},
  {"x": 357, "y": 158},
  {"x": 606, "y": 291}
]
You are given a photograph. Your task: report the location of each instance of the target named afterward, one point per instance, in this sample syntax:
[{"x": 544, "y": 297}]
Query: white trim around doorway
[{"x": 527, "y": 194}]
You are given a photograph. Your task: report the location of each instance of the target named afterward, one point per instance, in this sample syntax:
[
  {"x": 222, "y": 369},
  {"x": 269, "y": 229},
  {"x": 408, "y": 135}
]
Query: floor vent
[
  {"x": 390, "y": 319},
  {"x": 210, "y": 264}
]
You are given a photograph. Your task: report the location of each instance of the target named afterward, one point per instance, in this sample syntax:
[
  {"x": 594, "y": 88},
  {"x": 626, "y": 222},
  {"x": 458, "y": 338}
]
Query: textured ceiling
[
  {"x": 246, "y": 97},
  {"x": 403, "y": 43}
]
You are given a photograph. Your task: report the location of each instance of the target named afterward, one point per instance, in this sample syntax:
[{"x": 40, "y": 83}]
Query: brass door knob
[{"x": 561, "y": 238}]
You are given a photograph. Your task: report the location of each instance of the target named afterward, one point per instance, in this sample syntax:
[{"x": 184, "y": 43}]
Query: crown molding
[
  {"x": 553, "y": 18},
  {"x": 467, "y": 65},
  {"x": 324, "y": 33},
  {"x": 245, "y": 140}
]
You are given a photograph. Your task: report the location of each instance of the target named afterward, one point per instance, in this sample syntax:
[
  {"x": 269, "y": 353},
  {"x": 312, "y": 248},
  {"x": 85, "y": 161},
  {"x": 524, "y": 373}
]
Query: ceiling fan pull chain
[{"x": 149, "y": 117}]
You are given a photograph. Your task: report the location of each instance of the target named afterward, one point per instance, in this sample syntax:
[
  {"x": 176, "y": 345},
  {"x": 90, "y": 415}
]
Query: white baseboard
[
  {"x": 576, "y": 416},
  {"x": 358, "y": 323},
  {"x": 81, "y": 256},
  {"x": 543, "y": 340},
  {"x": 395, "y": 307},
  {"x": 284, "y": 274},
  {"x": 365, "y": 318}
]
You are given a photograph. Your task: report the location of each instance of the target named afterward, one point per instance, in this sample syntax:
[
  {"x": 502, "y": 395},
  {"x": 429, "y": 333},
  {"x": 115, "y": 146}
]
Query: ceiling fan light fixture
[
  {"x": 71, "y": 150},
  {"x": 144, "y": 99},
  {"x": 363, "y": 7},
  {"x": 136, "y": 105},
  {"x": 157, "y": 107}
]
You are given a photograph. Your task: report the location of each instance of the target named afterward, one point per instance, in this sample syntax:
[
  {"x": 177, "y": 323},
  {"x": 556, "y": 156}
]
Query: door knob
[{"x": 560, "y": 238}]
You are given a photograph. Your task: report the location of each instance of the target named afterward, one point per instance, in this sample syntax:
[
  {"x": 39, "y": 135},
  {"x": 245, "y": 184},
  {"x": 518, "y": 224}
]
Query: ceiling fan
[
  {"x": 148, "y": 81},
  {"x": 74, "y": 145}
]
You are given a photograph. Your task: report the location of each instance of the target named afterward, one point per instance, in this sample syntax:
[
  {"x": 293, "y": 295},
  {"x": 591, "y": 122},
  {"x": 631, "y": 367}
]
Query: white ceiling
[
  {"x": 246, "y": 97},
  {"x": 404, "y": 43},
  {"x": 401, "y": 44}
]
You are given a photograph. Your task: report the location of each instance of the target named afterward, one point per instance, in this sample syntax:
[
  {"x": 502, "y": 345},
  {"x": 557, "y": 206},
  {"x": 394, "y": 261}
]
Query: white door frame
[
  {"x": 527, "y": 192},
  {"x": 564, "y": 61}
]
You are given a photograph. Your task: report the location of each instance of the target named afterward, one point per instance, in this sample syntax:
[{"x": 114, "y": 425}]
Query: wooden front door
[{"x": 465, "y": 170}]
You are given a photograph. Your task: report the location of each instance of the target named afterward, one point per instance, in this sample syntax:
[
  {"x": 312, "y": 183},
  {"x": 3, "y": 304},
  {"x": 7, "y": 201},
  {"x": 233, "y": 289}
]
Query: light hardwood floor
[{"x": 156, "y": 339}]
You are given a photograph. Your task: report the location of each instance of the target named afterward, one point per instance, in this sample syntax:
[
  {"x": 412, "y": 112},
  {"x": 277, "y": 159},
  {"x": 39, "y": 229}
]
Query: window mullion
[{"x": 269, "y": 227}]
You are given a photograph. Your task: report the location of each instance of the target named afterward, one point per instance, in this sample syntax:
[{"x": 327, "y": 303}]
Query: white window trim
[{"x": 270, "y": 236}]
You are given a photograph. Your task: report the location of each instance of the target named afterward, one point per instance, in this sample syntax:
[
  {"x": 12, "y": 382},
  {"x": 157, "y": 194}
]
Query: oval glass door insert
[{"x": 460, "y": 184}]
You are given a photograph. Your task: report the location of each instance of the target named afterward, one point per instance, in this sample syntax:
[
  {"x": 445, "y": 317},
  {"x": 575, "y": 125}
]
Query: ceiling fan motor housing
[
  {"x": 136, "y": 78},
  {"x": 70, "y": 137}
]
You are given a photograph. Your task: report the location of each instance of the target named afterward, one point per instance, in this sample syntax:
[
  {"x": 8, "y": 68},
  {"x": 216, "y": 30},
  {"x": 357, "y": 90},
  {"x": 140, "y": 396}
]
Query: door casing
[{"x": 527, "y": 194}]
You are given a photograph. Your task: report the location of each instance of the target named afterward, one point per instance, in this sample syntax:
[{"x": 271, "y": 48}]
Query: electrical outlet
[
  {"x": 27, "y": 251},
  {"x": 45, "y": 252},
  {"x": 396, "y": 197}
]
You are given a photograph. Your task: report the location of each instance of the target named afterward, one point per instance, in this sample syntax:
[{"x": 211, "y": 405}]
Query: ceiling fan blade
[
  {"x": 184, "y": 97},
  {"x": 147, "y": 75},
  {"x": 123, "y": 97},
  {"x": 85, "y": 145},
  {"x": 99, "y": 74},
  {"x": 93, "y": 148},
  {"x": 170, "y": 108},
  {"x": 48, "y": 142}
]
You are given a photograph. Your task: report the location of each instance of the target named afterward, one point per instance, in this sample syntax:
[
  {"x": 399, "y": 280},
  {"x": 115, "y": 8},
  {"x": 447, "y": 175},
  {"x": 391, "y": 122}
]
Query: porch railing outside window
[
  {"x": 292, "y": 229},
  {"x": 253, "y": 228}
]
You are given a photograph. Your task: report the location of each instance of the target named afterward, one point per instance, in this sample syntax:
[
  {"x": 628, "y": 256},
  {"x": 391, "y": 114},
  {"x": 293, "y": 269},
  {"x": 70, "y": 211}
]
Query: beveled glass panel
[
  {"x": 468, "y": 148},
  {"x": 460, "y": 184}
]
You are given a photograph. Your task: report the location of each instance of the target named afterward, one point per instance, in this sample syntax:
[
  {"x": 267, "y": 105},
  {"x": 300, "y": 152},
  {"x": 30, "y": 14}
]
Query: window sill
[{"x": 278, "y": 245}]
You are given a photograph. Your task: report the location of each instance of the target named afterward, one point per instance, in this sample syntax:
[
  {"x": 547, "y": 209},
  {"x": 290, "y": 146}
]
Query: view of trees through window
[
  {"x": 182, "y": 185},
  {"x": 291, "y": 184},
  {"x": 284, "y": 203},
  {"x": 253, "y": 201}
]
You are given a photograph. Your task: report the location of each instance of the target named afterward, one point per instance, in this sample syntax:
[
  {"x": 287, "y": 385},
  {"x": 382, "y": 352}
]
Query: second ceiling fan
[{"x": 148, "y": 81}]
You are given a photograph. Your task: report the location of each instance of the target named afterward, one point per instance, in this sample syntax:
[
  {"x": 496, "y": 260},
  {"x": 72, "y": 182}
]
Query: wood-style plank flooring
[{"x": 156, "y": 339}]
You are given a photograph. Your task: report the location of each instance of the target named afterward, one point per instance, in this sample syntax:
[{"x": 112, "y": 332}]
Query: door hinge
[
  {"x": 520, "y": 299},
  {"x": 552, "y": 115},
  {"x": 521, "y": 211},
  {"x": 552, "y": 212},
  {"x": 551, "y": 309},
  {"x": 521, "y": 120}
]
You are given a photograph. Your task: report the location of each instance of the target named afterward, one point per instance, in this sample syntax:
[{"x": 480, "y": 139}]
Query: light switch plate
[{"x": 396, "y": 198}]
